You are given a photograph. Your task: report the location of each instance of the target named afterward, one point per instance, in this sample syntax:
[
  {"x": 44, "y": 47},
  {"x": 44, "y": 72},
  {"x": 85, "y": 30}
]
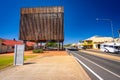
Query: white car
[{"x": 110, "y": 47}]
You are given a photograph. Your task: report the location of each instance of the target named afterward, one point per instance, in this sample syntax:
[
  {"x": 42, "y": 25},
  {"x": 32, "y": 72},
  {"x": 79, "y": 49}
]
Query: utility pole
[
  {"x": 119, "y": 33},
  {"x": 111, "y": 25}
]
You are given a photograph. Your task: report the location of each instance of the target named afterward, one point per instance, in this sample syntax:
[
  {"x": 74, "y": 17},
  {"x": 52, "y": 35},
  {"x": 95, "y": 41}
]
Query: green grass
[{"x": 6, "y": 61}]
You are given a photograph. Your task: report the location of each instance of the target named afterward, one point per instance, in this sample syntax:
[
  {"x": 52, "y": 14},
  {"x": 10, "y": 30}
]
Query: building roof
[
  {"x": 30, "y": 43},
  {"x": 11, "y": 42},
  {"x": 14, "y": 42},
  {"x": 100, "y": 39},
  {"x": 117, "y": 40}
]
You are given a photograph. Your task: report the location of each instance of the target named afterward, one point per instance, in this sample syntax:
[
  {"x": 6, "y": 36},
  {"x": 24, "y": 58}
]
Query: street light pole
[
  {"x": 112, "y": 30},
  {"x": 119, "y": 33},
  {"x": 111, "y": 24}
]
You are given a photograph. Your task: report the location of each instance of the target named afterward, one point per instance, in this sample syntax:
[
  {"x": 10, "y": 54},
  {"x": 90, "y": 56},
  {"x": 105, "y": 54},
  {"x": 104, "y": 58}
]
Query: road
[
  {"x": 98, "y": 68},
  {"x": 114, "y": 54}
]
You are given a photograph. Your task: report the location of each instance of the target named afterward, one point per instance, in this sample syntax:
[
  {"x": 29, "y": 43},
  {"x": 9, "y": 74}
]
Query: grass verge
[{"x": 7, "y": 60}]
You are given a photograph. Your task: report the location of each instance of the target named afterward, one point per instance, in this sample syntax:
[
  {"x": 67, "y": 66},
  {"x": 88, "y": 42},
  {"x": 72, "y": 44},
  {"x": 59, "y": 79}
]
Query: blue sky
[{"x": 79, "y": 17}]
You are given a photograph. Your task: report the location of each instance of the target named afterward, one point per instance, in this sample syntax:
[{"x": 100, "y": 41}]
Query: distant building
[
  {"x": 95, "y": 41},
  {"x": 8, "y": 45},
  {"x": 117, "y": 40}
]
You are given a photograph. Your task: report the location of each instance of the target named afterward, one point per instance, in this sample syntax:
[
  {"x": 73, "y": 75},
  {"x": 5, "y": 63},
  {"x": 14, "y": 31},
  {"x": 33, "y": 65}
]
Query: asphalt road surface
[
  {"x": 114, "y": 54},
  {"x": 98, "y": 68}
]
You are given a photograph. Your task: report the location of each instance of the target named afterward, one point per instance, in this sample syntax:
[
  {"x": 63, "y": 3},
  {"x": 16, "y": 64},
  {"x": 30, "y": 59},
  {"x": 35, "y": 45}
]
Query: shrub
[
  {"x": 38, "y": 51},
  {"x": 29, "y": 48}
]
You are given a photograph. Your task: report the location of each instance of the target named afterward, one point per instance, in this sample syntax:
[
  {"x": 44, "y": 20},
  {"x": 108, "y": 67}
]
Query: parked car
[
  {"x": 110, "y": 47},
  {"x": 72, "y": 48}
]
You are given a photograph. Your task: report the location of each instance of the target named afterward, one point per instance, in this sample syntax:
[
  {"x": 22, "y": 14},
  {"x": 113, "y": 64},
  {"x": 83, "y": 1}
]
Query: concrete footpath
[{"x": 47, "y": 68}]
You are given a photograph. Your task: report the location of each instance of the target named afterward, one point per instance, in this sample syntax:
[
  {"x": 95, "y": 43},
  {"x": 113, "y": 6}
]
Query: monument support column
[
  {"x": 62, "y": 45},
  {"x": 40, "y": 45},
  {"x": 58, "y": 45}
]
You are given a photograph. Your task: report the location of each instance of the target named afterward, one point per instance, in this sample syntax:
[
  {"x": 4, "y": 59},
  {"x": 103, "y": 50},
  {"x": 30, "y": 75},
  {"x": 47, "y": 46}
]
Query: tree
[
  {"x": 1, "y": 40},
  {"x": 67, "y": 45},
  {"x": 51, "y": 44},
  {"x": 1, "y": 44}
]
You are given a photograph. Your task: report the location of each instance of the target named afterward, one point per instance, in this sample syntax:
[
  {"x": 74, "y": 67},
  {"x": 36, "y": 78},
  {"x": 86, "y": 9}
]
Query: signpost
[{"x": 19, "y": 54}]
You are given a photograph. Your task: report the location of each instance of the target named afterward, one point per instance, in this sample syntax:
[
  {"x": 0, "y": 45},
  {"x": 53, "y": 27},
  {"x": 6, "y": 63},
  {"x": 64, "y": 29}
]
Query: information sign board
[{"x": 19, "y": 54}]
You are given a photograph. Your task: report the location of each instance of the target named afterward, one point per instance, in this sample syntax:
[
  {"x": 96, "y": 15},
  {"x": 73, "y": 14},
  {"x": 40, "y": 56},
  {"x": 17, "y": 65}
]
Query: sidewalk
[
  {"x": 47, "y": 68},
  {"x": 116, "y": 58}
]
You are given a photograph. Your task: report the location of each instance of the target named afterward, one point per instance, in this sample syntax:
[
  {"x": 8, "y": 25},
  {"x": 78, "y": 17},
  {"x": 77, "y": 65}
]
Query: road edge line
[
  {"x": 89, "y": 69},
  {"x": 101, "y": 67}
]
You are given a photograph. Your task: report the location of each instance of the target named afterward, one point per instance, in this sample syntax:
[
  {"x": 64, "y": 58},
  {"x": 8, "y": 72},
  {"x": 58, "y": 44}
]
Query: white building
[{"x": 97, "y": 40}]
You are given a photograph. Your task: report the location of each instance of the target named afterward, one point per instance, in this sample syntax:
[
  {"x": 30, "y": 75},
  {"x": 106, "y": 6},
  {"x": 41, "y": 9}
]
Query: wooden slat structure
[{"x": 42, "y": 24}]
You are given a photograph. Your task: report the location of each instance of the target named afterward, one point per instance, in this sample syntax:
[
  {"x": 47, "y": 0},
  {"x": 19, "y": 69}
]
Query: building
[
  {"x": 7, "y": 45},
  {"x": 88, "y": 44},
  {"x": 95, "y": 41},
  {"x": 42, "y": 24},
  {"x": 117, "y": 40}
]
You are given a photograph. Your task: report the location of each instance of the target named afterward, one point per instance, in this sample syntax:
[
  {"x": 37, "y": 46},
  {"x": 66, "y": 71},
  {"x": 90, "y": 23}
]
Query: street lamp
[
  {"x": 111, "y": 24},
  {"x": 119, "y": 33}
]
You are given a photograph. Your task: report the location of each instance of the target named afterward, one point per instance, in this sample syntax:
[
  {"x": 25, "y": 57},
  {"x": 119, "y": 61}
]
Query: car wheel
[{"x": 106, "y": 51}]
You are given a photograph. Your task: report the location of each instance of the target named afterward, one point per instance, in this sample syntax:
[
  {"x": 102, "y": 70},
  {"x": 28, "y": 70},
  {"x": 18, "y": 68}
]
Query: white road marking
[
  {"x": 89, "y": 69},
  {"x": 100, "y": 66}
]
